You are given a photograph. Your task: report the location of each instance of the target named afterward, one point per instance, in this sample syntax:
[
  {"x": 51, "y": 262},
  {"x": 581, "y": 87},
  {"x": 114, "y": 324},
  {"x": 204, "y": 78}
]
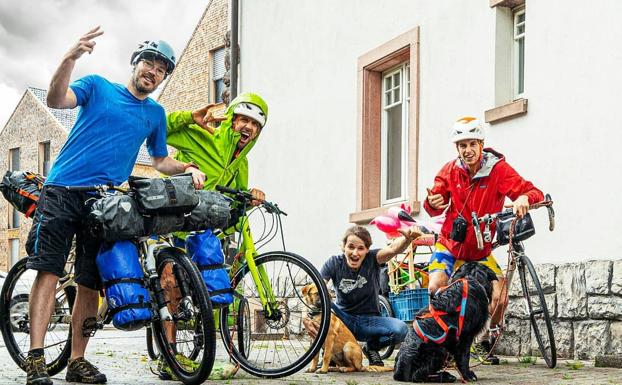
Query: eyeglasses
[{"x": 150, "y": 64}]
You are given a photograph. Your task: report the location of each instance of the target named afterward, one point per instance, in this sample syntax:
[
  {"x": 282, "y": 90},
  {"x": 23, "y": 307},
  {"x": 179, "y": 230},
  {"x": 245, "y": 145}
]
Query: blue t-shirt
[
  {"x": 357, "y": 291},
  {"x": 111, "y": 125}
]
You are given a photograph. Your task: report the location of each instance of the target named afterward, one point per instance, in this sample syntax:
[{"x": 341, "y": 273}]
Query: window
[
  {"x": 510, "y": 60},
  {"x": 218, "y": 72},
  {"x": 44, "y": 158},
  {"x": 394, "y": 134},
  {"x": 387, "y": 127},
  {"x": 14, "y": 247},
  {"x": 14, "y": 218},
  {"x": 519, "y": 53}
]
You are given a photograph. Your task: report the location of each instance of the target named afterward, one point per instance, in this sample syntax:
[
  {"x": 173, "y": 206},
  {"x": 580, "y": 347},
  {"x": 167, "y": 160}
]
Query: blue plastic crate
[{"x": 408, "y": 302}]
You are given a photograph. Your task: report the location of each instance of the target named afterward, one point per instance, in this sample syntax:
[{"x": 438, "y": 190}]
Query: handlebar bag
[
  {"x": 22, "y": 189},
  {"x": 206, "y": 252},
  {"x": 116, "y": 217},
  {"x": 128, "y": 300},
  {"x": 212, "y": 212},
  {"x": 524, "y": 228},
  {"x": 172, "y": 195}
]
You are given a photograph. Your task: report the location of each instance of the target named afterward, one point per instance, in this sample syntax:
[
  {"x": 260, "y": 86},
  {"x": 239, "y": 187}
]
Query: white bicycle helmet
[
  {"x": 467, "y": 127},
  {"x": 252, "y": 111}
]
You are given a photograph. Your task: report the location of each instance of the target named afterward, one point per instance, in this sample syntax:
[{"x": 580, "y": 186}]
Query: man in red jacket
[{"x": 478, "y": 180}]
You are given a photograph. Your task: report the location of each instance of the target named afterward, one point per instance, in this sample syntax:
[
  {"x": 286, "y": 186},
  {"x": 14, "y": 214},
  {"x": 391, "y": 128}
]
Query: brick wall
[{"x": 190, "y": 86}]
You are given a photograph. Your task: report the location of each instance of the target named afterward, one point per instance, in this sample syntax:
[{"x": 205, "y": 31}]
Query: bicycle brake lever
[{"x": 478, "y": 231}]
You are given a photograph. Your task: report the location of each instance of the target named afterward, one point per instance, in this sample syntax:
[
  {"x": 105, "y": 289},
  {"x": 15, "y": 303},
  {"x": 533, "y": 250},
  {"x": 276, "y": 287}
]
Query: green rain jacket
[{"x": 213, "y": 153}]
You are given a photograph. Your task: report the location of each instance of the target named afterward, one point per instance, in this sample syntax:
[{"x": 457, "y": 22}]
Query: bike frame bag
[
  {"x": 129, "y": 301},
  {"x": 206, "y": 253},
  {"x": 22, "y": 189},
  {"x": 170, "y": 195},
  {"x": 524, "y": 228},
  {"x": 212, "y": 212},
  {"x": 116, "y": 217}
]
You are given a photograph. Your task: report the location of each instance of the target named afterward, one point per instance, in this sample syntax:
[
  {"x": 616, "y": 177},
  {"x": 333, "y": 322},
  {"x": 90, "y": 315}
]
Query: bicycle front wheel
[
  {"x": 538, "y": 311},
  {"x": 385, "y": 311},
  {"x": 15, "y": 323},
  {"x": 188, "y": 341},
  {"x": 273, "y": 342},
  {"x": 152, "y": 348}
]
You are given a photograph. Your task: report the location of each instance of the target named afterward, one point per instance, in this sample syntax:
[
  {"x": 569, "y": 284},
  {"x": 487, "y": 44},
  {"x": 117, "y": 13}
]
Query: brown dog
[{"x": 340, "y": 346}]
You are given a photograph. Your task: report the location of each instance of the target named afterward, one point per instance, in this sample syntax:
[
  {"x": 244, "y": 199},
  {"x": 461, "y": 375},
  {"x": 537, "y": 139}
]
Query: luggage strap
[
  {"x": 140, "y": 305},
  {"x": 112, "y": 282},
  {"x": 170, "y": 191},
  {"x": 211, "y": 267}
]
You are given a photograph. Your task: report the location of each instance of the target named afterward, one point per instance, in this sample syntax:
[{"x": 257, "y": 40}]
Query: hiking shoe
[
  {"x": 80, "y": 370},
  {"x": 484, "y": 353},
  {"x": 372, "y": 356},
  {"x": 36, "y": 371},
  {"x": 166, "y": 373}
]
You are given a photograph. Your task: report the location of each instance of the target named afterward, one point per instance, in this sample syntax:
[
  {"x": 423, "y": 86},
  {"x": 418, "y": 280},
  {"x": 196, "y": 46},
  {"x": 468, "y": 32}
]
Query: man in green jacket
[{"x": 219, "y": 152}]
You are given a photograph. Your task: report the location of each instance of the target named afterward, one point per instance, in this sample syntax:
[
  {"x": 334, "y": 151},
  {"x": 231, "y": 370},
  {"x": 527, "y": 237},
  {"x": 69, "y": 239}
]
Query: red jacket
[{"x": 484, "y": 194}]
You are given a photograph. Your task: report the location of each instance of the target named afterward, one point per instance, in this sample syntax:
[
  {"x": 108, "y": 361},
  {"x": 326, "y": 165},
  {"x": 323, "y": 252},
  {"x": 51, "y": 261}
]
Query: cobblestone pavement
[{"x": 122, "y": 356}]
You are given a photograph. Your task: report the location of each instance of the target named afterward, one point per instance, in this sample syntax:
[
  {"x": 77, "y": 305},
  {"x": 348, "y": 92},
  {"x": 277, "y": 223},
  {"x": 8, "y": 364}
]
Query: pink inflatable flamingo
[{"x": 399, "y": 218}]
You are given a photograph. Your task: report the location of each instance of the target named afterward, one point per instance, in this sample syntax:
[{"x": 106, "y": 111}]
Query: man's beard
[{"x": 140, "y": 88}]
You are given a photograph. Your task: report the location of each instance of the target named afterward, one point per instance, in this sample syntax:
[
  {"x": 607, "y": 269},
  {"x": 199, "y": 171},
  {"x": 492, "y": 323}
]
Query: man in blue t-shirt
[{"x": 102, "y": 147}]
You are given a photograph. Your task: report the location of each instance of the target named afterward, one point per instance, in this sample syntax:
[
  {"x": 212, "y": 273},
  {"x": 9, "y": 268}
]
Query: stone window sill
[
  {"x": 506, "y": 3},
  {"x": 365, "y": 216},
  {"x": 507, "y": 111}
]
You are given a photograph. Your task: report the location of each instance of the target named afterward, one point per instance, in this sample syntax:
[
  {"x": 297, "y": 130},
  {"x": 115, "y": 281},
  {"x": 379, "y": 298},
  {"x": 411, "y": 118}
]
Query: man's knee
[
  {"x": 437, "y": 280},
  {"x": 401, "y": 332}
]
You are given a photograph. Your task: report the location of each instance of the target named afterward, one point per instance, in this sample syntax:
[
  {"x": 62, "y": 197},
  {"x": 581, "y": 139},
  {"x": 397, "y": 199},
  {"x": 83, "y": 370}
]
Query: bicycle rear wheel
[
  {"x": 277, "y": 344},
  {"x": 188, "y": 343},
  {"x": 15, "y": 323},
  {"x": 385, "y": 311},
  {"x": 538, "y": 311}
]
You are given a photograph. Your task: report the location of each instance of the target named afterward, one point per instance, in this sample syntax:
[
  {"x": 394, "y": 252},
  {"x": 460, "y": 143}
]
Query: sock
[{"x": 36, "y": 352}]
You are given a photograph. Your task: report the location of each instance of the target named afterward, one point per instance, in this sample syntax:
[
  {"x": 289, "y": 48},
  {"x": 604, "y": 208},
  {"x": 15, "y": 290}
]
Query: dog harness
[{"x": 436, "y": 314}]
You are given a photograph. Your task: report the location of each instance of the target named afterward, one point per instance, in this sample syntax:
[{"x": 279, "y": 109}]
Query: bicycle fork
[{"x": 154, "y": 280}]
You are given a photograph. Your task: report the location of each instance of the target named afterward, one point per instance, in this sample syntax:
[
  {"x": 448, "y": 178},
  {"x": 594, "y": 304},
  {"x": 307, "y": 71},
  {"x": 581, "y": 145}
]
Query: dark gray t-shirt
[{"x": 357, "y": 291}]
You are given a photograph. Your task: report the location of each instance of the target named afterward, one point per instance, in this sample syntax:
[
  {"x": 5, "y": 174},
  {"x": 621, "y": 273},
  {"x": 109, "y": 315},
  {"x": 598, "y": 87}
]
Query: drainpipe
[{"x": 234, "y": 12}]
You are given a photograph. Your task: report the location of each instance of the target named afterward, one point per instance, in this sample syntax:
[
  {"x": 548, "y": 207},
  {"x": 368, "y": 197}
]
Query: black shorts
[{"x": 59, "y": 216}]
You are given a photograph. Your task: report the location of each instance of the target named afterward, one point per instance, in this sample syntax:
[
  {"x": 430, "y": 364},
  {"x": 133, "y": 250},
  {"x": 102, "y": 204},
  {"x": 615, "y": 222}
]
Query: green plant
[
  {"x": 527, "y": 359},
  {"x": 567, "y": 376},
  {"x": 574, "y": 365},
  {"x": 352, "y": 382}
]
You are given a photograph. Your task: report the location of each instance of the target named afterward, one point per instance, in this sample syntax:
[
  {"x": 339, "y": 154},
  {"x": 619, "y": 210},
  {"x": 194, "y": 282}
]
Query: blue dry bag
[
  {"x": 123, "y": 279},
  {"x": 205, "y": 250}
]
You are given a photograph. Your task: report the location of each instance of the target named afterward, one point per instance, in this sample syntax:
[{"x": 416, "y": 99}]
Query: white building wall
[{"x": 302, "y": 56}]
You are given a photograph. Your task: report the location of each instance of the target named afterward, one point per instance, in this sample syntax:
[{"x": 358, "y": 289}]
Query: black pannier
[
  {"x": 524, "y": 228},
  {"x": 22, "y": 189},
  {"x": 212, "y": 212},
  {"x": 116, "y": 217},
  {"x": 169, "y": 195}
]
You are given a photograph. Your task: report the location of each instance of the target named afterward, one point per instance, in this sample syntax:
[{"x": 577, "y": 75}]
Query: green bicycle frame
[{"x": 259, "y": 275}]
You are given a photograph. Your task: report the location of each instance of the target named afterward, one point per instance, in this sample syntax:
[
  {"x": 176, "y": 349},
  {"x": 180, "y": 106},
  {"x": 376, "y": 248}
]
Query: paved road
[{"x": 122, "y": 356}]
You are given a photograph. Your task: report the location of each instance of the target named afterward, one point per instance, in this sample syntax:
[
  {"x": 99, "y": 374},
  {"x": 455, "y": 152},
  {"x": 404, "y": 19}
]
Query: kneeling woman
[{"x": 355, "y": 276}]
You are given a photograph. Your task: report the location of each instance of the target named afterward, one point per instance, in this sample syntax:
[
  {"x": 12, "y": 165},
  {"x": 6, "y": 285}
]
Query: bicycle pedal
[{"x": 90, "y": 326}]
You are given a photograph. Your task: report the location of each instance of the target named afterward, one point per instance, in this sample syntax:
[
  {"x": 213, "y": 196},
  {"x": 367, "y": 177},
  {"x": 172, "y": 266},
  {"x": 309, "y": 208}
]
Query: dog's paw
[
  {"x": 311, "y": 370},
  {"x": 321, "y": 371}
]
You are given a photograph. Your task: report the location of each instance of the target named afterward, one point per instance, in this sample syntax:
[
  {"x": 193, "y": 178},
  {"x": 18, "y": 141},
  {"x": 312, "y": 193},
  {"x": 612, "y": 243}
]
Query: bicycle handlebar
[
  {"x": 245, "y": 196},
  {"x": 489, "y": 218}
]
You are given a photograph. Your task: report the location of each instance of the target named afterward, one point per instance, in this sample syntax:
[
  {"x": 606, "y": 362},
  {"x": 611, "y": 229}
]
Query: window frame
[
  {"x": 13, "y": 259},
  {"x": 371, "y": 65},
  {"x": 13, "y": 220},
  {"x": 402, "y": 69},
  {"x": 41, "y": 160},
  {"x": 516, "y": 57},
  {"x": 213, "y": 80}
]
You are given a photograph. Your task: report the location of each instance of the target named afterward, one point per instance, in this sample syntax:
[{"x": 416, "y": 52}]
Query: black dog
[{"x": 421, "y": 361}]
